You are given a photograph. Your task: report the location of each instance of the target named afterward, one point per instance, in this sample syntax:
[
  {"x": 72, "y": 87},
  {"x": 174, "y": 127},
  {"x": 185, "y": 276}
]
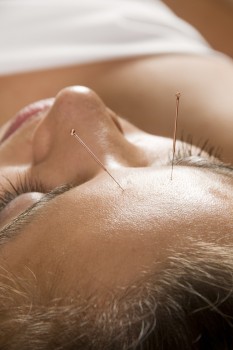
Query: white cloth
[{"x": 37, "y": 34}]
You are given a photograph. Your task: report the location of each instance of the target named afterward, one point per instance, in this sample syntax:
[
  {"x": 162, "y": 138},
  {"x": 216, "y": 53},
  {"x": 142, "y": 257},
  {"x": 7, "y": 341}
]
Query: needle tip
[
  {"x": 178, "y": 94},
  {"x": 122, "y": 189},
  {"x": 72, "y": 132}
]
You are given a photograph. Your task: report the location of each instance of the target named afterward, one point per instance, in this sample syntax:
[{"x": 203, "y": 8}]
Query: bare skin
[
  {"x": 95, "y": 233},
  {"x": 143, "y": 91},
  {"x": 95, "y": 224}
]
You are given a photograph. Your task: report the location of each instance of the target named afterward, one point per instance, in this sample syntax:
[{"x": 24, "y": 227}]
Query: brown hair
[{"x": 186, "y": 305}]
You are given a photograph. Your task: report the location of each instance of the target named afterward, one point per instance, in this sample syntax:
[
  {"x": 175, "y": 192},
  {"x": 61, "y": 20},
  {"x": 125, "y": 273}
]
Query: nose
[{"x": 57, "y": 155}]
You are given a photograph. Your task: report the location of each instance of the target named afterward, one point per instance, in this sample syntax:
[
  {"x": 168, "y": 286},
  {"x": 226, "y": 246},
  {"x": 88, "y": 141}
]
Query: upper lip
[{"x": 24, "y": 115}]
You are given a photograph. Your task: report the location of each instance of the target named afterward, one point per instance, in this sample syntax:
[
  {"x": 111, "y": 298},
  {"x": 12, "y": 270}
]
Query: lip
[{"x": 26, "y": 114}]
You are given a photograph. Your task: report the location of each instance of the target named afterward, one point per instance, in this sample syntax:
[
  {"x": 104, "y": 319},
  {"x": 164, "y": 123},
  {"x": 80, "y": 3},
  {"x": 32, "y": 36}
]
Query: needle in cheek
[
  {"x": 73, "y": 133},
  {"x": 178, "y": 94}
]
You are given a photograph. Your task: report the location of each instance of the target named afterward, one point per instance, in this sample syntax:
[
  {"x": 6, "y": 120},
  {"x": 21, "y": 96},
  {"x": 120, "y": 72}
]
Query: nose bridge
[{"x": 53, "y": 145}]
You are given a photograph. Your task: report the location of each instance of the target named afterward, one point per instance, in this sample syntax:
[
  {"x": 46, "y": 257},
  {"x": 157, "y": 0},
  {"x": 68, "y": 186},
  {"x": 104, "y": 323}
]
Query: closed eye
[
  {"x": 209, "y": 163},
  {"x": 23, "y": 219},
  {"x": 11, "y": 191}
]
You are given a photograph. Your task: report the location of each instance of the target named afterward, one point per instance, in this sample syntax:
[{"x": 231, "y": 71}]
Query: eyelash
[
  {"x": 186, "y": 149},
  {"x": 23, "y": 185}
]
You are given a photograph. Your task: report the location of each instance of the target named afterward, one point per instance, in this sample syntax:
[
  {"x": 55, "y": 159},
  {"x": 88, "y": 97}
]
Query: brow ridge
[
  {"x": 23, "y": 219},
  {"x": 15, "y": 226},
  {"x": 214, "y": 165}
]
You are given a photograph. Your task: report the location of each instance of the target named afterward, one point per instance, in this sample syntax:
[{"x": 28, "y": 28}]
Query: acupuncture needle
[
  {"x": 78, "y": 138},
  {"x": 178, "y": 94}
]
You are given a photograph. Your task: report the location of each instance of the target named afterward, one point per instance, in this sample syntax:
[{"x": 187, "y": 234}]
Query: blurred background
[{"x": 213, "y": 18}]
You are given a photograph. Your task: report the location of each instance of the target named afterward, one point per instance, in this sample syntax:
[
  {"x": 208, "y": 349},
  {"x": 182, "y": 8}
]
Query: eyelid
[
  {"x": 210, "y": 163},
  {"x": 17, "y": 206},
  {"x": 198, "y": 161},
  {"x": 22, "y": 184},
  {"x": 17, "y": 224}
]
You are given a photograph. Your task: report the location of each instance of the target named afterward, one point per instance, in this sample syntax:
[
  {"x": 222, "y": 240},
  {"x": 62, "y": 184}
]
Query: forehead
[
  {"x": 148, "y": 194},
  {"x": 105, "y": 232}
]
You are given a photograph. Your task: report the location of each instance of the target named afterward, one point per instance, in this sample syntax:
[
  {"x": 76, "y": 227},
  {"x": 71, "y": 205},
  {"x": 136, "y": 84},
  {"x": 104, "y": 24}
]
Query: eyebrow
[
  {"x": 211, "y": 164},
  {"x": 12, "y": 229}
]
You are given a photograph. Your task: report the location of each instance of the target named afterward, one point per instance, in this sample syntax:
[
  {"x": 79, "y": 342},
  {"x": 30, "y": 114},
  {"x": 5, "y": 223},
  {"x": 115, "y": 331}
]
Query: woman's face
[{"x": 91, "y": 233}]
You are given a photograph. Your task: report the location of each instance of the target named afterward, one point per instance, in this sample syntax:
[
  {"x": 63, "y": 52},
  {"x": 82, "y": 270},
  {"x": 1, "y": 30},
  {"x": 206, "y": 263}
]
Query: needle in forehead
[
  {"x": 178, "y": 94},
  {"x": 73, "y": 133}
]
